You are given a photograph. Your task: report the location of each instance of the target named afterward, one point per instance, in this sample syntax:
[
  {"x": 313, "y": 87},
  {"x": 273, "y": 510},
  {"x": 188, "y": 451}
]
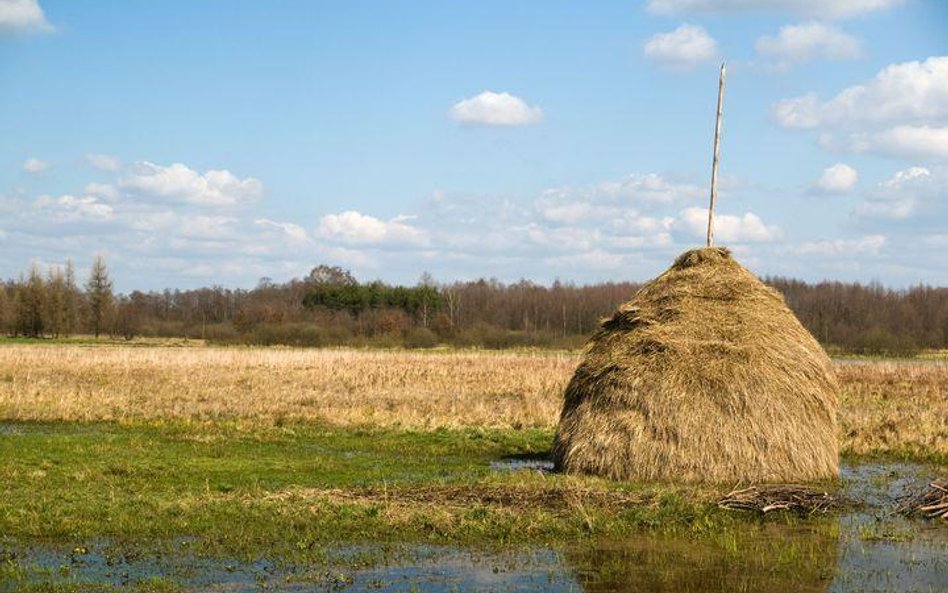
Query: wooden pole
[{"x": 717, "y": 156}]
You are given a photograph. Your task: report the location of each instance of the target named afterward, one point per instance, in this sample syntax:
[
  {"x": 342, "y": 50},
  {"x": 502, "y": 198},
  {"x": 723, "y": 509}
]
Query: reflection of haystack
[
  {"x": 776, "y": 558},
  {"x": 705, "y": 375}
]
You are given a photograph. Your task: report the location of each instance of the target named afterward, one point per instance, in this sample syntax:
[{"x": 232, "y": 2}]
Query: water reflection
[
  {"x": 772, "y": 558},
  {"x": 866, "y": 550}
]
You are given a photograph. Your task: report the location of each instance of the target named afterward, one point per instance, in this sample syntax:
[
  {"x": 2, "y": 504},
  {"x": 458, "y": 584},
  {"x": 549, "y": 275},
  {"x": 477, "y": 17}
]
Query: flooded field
[{"x": 865, "y": 548}]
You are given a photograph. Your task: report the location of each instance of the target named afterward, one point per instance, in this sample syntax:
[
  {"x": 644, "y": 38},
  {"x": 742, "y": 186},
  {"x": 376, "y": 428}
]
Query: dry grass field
[
  {"x": 266, "y": 385},
  {"x": 887, "y": 407}
]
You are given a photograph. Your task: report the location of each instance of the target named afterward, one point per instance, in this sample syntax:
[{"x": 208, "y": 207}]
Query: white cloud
[
  {"x": 35, "y": 165},
  {"x": 902, "y": 111},
  {"x": 902, "y": 196},
  {"x": 905, "y": 177},
  {"x": 939, "y": 241},
  {"x": 208, "y": 228},
  {"x": 178, "y": 182},
  {"x": 495, "y": 109},
  {"x": 898, "y": 141},
  {"x": 102, "y": 190},
  {"x": 681, "y": 49},
  {"x": 826, "y": 9},
  {"x": 289, "y": 230},
  {"x": 868, "y": 245},
  {"x": 899, "y": 93},
  {"x": 352, "y": 228},
  {"x": 69, "y": 208},
  {"x": 801, "y": 112},
  {"x": 596, "y": 259},
  {"x": 795, "y": 44},
  {"x": 634, "y": 225},
  {"x": 104, "y": 162},
  {"x": 603, "y": 199},
  {"x": 151, "y": 222},
  {"x": 837, "y": 179},
  {"x": 23, "y": 16},
  {"x": 892, "y": 209},
  {"x": 566, "y": 212},
  {"x": 748, "y": 228}
]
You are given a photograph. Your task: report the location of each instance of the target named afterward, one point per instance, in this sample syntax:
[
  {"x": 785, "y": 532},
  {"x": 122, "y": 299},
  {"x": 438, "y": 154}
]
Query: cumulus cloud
[
  {"x": 795, "y": 44},
  {"x": 800, "y": 112},
  {"x": 495, "y": 109},
  {"x": 104, "y": 162},
  {"x": 23, "y": 16},
  {"x": 899, "y": 93},
  {"x": 177, "y": 182},
  {"x": 903, "y": 195},
  {"x": 906, "y": 177},
  {"x": 614, "y": 200},
  {"x": 595, "y": 259},
  {"x": 682, "y": 49},
  {"x": 207, "y": 228},
  {"x": 868, "y": 245},
  {"x": 898, "y": 141},
  {"x": 103, "y": 190},
  {"x": 35, "y": 165},
  {"x": 152, "y": 221},
  {"x": 748, "y": 228},
  {"x": 69, "y": 208},
  {"x": 634, "y": 225},
  {"x": 902, "y": 111},
  {"x": 291, "y": 231},
  {"x": 353, "y": 228},
  {"x": 837, "y": 179},
  {"x": 824, "y": 9}
]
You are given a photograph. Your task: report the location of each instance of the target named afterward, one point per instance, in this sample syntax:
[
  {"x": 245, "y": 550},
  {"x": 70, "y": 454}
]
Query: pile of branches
[
  {"x": 778, "y": 497},
  {"x": 932, "y": 502}
]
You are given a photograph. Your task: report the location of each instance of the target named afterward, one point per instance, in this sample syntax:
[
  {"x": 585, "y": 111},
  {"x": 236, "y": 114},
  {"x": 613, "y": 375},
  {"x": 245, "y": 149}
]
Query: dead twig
[
  {"x": 778, "y": 497},
  {"x": 931, "y": 502}
]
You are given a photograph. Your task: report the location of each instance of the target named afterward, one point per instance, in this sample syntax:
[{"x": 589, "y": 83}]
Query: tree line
[
  {"x": 331, "y": 307},
  {"x": 39, "y": 305}
]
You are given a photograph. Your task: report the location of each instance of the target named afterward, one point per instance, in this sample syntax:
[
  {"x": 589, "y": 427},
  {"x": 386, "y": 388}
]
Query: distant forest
[{"x": 329, "y": 307}]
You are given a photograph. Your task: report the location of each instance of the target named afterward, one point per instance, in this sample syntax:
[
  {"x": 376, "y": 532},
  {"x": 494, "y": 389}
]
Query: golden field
[{"x": 887, "y": 406}]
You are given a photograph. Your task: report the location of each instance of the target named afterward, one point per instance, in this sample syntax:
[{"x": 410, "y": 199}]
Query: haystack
[{"x": 704, "y": 376}]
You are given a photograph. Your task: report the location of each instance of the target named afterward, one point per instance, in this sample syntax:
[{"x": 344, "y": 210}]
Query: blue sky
[{"x": 197, "y": 143}]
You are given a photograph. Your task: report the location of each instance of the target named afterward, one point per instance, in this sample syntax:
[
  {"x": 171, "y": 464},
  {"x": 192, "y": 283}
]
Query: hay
[{"x": 704, "y": 376}]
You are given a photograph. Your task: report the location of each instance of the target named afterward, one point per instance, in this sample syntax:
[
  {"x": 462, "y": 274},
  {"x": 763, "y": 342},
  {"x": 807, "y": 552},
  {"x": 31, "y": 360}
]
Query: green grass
[
  {"x": 243, "y": 490},
  {"x": 293, "y": 488},
  {"x": 295, "y": 494}
]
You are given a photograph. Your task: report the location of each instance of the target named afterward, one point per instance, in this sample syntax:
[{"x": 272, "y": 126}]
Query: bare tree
[{"x": 6, "y": 309}]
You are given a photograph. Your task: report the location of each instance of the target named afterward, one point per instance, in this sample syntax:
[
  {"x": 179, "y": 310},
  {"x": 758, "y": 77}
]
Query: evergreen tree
[
  {"x": 30, "y": 304},
  {"x": 99, "y": 295},
  {"x": 55, "y": 301},
  {"x": 71, "y": 300}
]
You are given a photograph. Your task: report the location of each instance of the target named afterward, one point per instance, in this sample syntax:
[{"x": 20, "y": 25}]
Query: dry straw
[{"x": 705, "y": 375}]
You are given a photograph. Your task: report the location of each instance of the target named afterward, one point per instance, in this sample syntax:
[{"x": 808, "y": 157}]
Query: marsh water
[{"x": 864, "y": 549}]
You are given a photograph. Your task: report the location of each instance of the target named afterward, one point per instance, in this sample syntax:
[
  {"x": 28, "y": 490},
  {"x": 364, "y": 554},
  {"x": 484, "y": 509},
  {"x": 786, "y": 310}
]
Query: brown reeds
[{"x": 705, "y": 375}]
